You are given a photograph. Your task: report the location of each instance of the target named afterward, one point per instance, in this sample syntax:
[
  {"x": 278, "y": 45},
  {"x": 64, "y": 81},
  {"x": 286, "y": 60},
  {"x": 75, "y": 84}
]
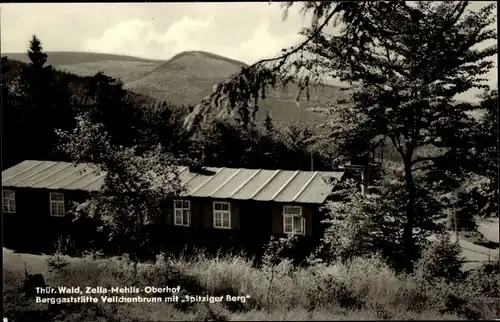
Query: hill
[
  {"x": 188, "y": 77},
  {"x": 126, "y": 71},
  {"x": 185, "y": 79},
  {"x": 58, "y": 58},
  {"x": 126, "y": 68}
]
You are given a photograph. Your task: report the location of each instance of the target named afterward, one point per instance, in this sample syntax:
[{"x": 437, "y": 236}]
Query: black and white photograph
[{"x": 246, "y": 161}]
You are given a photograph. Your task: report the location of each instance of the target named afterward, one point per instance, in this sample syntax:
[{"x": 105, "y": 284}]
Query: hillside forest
[{"x": 37, "y": 99}]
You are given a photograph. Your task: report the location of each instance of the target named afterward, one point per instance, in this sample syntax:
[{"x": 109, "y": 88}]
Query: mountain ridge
[
  {"x": 74, "y": 57},
  {"x": 186, "y": 78},
  {"x": 208, "y": 54}
]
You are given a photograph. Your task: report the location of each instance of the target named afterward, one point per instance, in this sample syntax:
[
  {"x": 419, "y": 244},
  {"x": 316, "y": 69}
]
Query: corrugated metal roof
[
  {"x": 53, "y": 175},
  {"x": 217, "y": 183}
]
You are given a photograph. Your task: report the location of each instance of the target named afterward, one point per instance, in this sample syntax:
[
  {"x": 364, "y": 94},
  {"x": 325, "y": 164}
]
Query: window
[
  {"x": 222, "y": 215},
  {"x": 57, "y": 204},
  {"x": 293, "y": 222},
  {"x": 9, "y": 201},
  {"x": 182, "y": 213}
]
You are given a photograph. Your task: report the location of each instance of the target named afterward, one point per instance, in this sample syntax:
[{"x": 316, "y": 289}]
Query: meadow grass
[{"x": 360, "y": 289}]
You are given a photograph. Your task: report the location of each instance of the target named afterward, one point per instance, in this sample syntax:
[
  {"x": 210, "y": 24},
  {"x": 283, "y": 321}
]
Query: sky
[{"x": 242, "y": 31}]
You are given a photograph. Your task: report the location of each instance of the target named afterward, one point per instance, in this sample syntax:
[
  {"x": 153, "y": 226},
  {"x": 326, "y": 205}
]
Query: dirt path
[{"x": 36, "y": 264}]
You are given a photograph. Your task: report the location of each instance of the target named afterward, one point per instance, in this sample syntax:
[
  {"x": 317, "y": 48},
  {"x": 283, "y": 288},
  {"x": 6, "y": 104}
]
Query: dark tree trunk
[{"x": 408, "y": 242}]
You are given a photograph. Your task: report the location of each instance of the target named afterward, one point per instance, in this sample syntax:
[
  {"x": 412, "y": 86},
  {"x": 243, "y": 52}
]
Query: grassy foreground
[{"x": 361, "y": 289}]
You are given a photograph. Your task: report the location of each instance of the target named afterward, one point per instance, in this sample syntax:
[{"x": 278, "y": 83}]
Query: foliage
[
  {"x": 441, "y": 259},
  {"x": 9, "y": 122},
  {"x": 405, "y": 62},
  {"x": 226, "y": 143},
  {"x": 479, "y": 194},
  {"x": 136, "y": 186},
  {"x": 406, "y": 94},
  {"x": 133, "y": 121},
  {"x": 464, "y": 203},
  {"x": 268, "y": 123},
  {"x": 162, "y": 124},
  {"x": 362, "y": 225},
  {"x": 38, "y": 99},
  {"x": 184, "y": 79},
  {"x": 33, "y": 93},
  {"x": 484, "y": 279},
  {"x": 273, "y": 258},
  {"x": 57, "y": 261},
  {"x": 108, "y": 104}
]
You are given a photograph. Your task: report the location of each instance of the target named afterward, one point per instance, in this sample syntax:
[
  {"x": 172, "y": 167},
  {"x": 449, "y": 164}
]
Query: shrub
[
  {"x": 441, "y": 259},
  {"x": 360, "y": 225},
  {"x": 484, "y": 280},
  {"x": 57, "y": 261}
]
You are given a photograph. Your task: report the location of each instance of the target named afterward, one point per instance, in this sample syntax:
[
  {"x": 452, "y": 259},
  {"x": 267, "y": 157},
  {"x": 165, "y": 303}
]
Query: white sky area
[{"x": 243, "y": 31}]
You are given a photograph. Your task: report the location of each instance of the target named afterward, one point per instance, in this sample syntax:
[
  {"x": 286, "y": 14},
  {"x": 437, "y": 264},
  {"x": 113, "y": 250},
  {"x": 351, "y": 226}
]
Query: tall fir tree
[
  {"x": 36, "y": 84},
  {"x": 42, "y": 104},
  {"x": 37, "y": 57}
]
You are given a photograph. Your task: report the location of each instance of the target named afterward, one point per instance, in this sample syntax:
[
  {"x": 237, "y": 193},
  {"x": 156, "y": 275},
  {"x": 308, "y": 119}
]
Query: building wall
[
  {"x": 34, "y": 204},
  {"x": 202, "y": 215},
  {"x": 251, "y": 219},
  {"x": 32, "y": 225}
]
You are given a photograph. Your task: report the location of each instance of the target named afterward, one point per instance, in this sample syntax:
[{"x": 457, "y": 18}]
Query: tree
[
  {"x": 478, "y": 193},
  {"x": 441, "y": 259},
  {"x": 268, "y": 123},
  {"x": 487, "y": 149},
  {"x": 42, "y": 105},
  {"x": 34, "y": 94},
  {"x": 405, "y": 63},
  {"x": 162, "y": 123},
  {"x": 227, "y": 143},
  {"x": 136, "y": 186},
  {"x": 364, "y": 225},
  {"x": 9, "y": 118},
  {"x": 110, "y": 106},
  {"x": 37, "y": 57}
]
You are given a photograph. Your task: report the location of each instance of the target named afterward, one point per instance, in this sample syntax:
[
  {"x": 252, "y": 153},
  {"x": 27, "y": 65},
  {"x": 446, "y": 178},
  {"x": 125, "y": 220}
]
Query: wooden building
[{"x": 251, "y": 204}]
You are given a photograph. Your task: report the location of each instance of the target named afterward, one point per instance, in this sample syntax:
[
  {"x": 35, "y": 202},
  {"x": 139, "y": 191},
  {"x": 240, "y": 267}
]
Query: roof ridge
[{"x": 183, "y": 166}]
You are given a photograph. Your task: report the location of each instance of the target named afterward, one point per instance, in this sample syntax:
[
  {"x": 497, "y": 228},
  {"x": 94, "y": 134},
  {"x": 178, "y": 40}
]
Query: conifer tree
[
  {"x": 268, "y": 123},
  {"x": 43, "y": 105},
  {"x": 109, "y": 105},
  {"x": 36, "y": 95},
  {"x": 37, "y": 57}
]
